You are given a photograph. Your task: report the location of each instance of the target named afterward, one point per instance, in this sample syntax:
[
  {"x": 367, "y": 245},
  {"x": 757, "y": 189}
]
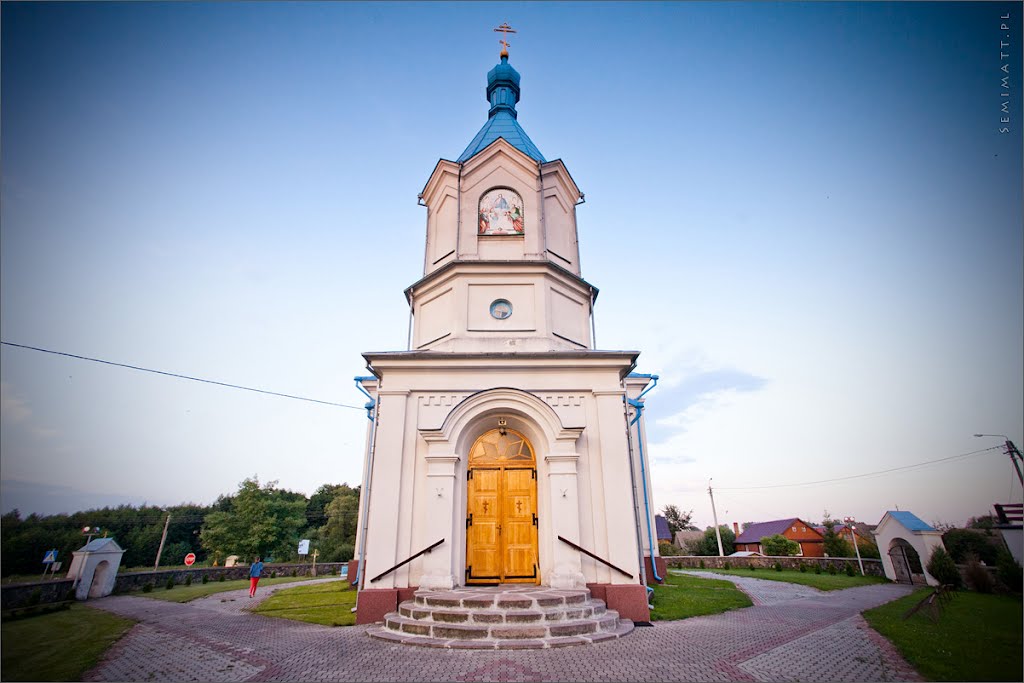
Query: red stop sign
[{"x": 190, "y": 559}]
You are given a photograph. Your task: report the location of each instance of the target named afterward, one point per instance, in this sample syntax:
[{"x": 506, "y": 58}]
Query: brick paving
[{"x": 792, "y": 633}]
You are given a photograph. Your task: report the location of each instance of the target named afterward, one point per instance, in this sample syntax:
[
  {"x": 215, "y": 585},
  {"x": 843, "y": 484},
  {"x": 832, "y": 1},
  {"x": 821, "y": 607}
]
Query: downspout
[
  {"x": 458, "y": 218},
  {"x": 639, "y": 406},
  {"x": 543, "y": 218},
  {"x": 412, "y": 307},
  {"x": 372, "y": 414},
  {"x": 636, "y": 507}
]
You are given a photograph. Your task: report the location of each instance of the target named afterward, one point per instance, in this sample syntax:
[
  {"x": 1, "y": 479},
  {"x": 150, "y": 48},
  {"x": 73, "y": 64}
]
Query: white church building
[{"x": 502, "y": 439}]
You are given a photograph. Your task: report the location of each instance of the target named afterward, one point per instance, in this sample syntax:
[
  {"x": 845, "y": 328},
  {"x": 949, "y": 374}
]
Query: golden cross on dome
[{"x": 504, "y": 29}]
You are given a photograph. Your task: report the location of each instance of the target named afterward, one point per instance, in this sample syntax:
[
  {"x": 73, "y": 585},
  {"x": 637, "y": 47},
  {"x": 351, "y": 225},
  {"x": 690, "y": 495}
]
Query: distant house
[
  {"x": 843, "y": 531},
  {"x": 683, "y": 538},
  {"x": 661, "y": 524},
  {"x": 811, "y": 542}
]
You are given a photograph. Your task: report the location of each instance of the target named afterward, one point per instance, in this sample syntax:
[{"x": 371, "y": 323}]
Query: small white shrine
[
  {"x": 94, "y": 568},
  {"x": 906, "y": 543}
]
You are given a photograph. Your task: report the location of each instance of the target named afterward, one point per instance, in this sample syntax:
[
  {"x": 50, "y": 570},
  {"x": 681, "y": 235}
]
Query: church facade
[{"x": 502, "y": 441}]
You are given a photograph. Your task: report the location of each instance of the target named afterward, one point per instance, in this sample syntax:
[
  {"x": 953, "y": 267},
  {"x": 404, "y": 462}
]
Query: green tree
[
  {"x": 677, "y": 520},
  {"x": 983, "y": 522},
  {"x": 261, "y": 521},
  {"x": 708, "y": 544},
  {"x": 835, "y": 545},
  {"x": 942, "y": 567},
  {"x": 338, "y": 536},
  {"x": 779, "y": 546},
  {"x": 316, "y": 507}
]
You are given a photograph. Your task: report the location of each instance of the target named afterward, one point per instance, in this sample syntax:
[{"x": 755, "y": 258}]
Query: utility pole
[
  {"x": 853, "y": 537},
  {"x": 1016, "y": 458},
  {"x": 160, "y": 550},
  {"x": 714, "y": 514},
  {"x": 1011, "y": 450}
]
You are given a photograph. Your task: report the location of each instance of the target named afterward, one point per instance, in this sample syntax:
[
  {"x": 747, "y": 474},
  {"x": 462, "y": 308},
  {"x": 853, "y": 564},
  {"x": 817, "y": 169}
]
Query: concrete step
[{"x": 502, "y": 617}]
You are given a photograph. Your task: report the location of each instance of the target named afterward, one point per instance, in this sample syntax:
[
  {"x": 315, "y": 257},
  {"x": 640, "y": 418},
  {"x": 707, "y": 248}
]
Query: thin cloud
[
  {"x": 695, "y": 395},
  {"x": 12, "y": 408}
]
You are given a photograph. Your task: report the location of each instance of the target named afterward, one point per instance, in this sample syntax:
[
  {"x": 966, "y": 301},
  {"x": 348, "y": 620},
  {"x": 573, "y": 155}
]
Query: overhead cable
[
  {"x": 173, "y": 374},
  {"x": 859, "y": 476}
]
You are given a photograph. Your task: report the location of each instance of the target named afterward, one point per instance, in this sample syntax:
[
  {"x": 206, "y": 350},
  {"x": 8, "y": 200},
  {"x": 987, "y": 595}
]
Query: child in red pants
[{"x": 255, "y": 569}]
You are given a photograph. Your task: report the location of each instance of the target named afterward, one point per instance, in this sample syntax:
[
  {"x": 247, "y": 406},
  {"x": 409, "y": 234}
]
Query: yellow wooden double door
[{"x": 501, "y": 510}]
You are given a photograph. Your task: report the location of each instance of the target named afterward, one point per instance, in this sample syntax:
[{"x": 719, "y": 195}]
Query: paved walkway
[{"x": 792, "y": 633}]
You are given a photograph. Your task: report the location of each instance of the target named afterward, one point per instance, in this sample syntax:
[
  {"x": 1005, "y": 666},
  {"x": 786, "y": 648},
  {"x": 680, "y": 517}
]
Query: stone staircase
[{"x": 502, "y": 617}]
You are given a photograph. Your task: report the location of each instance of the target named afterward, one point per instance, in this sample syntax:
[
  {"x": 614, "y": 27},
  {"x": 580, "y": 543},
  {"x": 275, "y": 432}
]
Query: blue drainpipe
[
  {"x": 636, "y": 403},
  {"x": 371, "y": 415}
]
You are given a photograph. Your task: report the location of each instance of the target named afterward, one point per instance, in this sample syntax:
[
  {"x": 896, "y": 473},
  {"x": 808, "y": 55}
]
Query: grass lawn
[
  {"x": 58, "y": 647},
  {"x": 183, "y": 593},
  {"x": 823, "y": 581},
  {"x": 977, "y": 638},
  {"x": 328, "y": 604},
  {"x": 684, "y": 596}
]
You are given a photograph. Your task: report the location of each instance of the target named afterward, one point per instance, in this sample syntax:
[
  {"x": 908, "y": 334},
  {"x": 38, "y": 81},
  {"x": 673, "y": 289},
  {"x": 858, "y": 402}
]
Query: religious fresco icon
[{"x": 501, "y": 212}]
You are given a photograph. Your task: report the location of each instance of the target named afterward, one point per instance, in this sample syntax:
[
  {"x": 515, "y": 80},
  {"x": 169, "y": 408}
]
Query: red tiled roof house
[{"x": 795, "y": 529}]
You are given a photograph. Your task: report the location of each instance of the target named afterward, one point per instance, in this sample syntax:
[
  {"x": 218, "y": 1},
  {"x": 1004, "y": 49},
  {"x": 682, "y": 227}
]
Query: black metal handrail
[
  {"x": 599, "y": 559},
  {"x": 406, "y": 561}
]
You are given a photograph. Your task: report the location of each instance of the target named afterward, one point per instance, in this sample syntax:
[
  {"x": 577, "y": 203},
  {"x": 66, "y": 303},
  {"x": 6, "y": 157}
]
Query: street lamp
[
  {"x": 1011, "y": 451},
  {"x": 853, "y": 537}
]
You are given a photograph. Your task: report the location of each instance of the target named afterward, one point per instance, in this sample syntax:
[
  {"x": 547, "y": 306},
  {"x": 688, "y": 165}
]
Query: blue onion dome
[
  {"x": 502, "y": 94},
  {"x": 503, "y": 87}
]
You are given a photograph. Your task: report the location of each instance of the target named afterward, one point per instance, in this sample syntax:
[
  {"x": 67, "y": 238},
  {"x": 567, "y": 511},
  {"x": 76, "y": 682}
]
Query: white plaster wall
[
  {"x": 418, "y": 494},
  {"x": 551, "y": 309},
  {"x": 452, "y": 196}
]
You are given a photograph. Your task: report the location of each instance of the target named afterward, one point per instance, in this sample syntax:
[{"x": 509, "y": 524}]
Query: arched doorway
[
  {"x": 501, "y": 510},
  {"x": 99, "y": 580},
  {"x": 906, "y": 562}
]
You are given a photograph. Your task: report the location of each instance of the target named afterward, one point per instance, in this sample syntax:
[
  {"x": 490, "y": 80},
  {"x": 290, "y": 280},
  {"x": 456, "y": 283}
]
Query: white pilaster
[{"x": 439, "y": 564}]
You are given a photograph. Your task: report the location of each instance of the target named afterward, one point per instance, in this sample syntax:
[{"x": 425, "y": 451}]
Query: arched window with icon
[{"x": 501, "y": 212}]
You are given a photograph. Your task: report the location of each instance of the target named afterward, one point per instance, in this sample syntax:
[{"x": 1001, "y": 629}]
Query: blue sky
[{"x": 803, "y": 215}]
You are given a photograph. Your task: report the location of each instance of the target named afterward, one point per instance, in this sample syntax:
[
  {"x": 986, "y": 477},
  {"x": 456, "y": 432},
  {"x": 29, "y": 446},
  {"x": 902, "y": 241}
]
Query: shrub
[
  {"x": 221, "y": 578},
  {"x": 849, "y": 569},
  {"x": 942, "y": 567},
  {"x": 666, "y": 549},
  {"x": 778, "y": 545},
  {"x": 1009, "y": 572},
  {"x": 702, "y": 564},
  {"x": 803, "y": 568},
  {"x": 206, "y": 578},
  {"x": 170, "y": 583},
  {"x": 817, "y": 568},
  {"x": 832, "y": 569},
  {"x": 35, "y": 597},
  {"x": 962, "y": 543},
  {"x": 726, "y": 566},
  {"x": 273, "y": 575},
  {"x": 778, "y": 566},
  {"x": 293, "y": 573},
  {"x": 188, "y": 580},
  {"x": 978, "y": 578},
  {"x": 148, "y": 588}
]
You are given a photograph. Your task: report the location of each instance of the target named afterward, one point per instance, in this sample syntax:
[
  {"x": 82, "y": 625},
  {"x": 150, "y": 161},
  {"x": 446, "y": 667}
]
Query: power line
[
  {"x": 860, "y": 476},
  {"x": 173, "y": 374}
]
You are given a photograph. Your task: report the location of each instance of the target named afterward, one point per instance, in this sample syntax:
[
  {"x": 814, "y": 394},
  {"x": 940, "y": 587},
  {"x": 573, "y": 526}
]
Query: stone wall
[
  {"x": 19, "y": 595},
  {"x": 871, "y": 567}
]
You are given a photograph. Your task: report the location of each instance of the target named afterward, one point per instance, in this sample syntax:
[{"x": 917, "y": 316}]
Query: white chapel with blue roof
[{"x": 504, "y": 447}]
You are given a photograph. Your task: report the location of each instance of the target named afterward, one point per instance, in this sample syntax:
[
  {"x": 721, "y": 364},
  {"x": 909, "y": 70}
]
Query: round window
[{"x": 501, "y": 309}]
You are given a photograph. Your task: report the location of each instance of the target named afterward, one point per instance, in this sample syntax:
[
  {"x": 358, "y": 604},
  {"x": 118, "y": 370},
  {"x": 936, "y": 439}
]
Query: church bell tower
[
  {"x": 501, "y": 268},
  {"x": 502, "y": 440}
]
